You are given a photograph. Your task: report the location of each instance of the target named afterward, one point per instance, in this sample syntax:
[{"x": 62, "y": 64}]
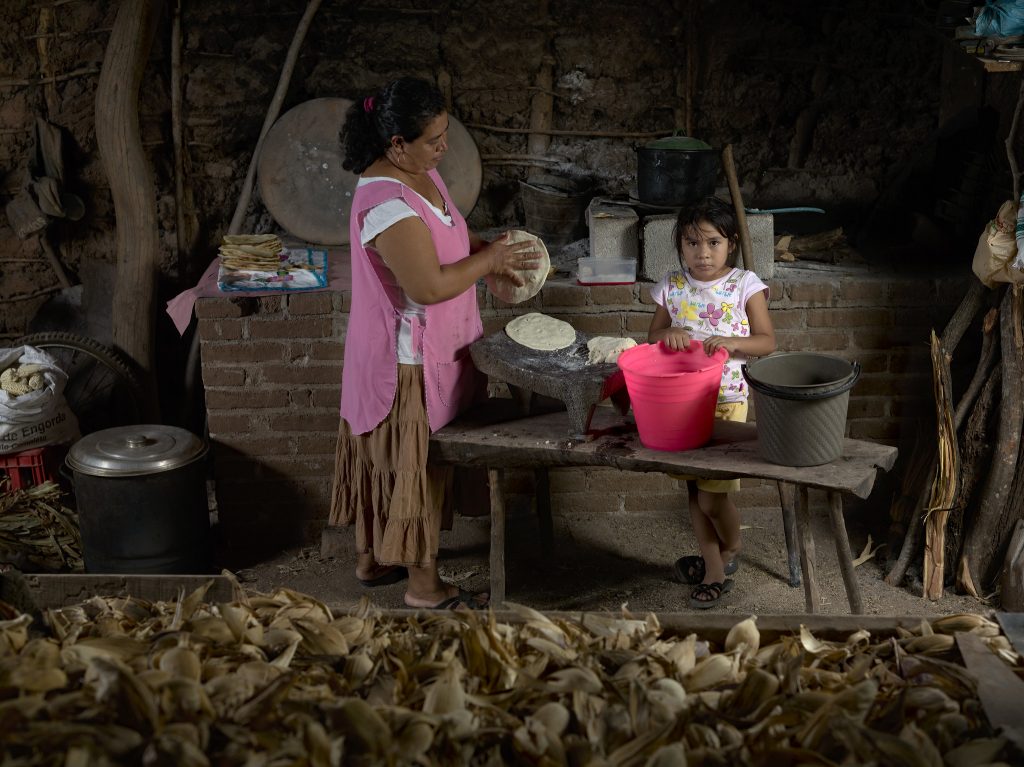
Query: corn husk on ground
[
  {"x": 37, "y": 532},
  {"x": 278, "y": 680}
]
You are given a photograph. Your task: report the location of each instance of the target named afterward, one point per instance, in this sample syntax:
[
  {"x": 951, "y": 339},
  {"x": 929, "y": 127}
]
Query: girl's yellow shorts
[{"x": 727, "y": 411}]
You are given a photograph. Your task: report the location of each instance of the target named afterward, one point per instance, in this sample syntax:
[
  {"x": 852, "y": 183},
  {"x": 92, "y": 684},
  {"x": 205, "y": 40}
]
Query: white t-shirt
[
  {"x": 715, "y": 308},
  {"x": 379, "y": 218}
]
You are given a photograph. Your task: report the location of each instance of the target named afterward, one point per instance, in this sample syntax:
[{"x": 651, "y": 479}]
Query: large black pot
[
  {"x": 142, "y": 504},
  {"x": 675, "y": 177}
]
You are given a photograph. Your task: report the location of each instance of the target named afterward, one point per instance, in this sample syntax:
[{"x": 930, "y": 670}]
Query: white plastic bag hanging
[{"x": 33, "y": 411}]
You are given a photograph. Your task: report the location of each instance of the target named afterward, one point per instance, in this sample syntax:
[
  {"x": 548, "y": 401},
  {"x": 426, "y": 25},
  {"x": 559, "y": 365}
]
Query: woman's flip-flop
[
  {"x": 691, "y": 570},
  {"x": 465, "y": 599},
  {"x": 394, "y": 575},
  {"x": 709, "y": 594}
]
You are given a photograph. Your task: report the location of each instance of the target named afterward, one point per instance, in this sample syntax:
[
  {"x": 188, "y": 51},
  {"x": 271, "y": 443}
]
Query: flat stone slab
[{"x": 564, "y": 375}]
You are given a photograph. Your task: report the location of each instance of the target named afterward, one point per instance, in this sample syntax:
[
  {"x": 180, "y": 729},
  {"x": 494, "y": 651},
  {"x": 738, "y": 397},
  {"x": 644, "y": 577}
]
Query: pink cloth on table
[{"x": 179, "y": 308}]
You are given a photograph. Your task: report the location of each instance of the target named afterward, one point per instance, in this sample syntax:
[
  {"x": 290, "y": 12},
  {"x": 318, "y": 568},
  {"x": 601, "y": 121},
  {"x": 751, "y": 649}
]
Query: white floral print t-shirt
[{"x": 716, "y": 308}]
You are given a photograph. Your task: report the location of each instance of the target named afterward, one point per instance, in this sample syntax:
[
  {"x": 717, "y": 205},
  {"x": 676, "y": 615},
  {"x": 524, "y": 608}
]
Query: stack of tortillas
[
  {"x": 502, "y": 287},
  {"x": 251, "y": 252}
]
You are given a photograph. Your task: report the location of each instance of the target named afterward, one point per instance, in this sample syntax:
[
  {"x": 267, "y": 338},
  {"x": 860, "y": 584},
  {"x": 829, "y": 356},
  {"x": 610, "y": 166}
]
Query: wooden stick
[
  {"x": 737, "y": 204},
  {"x": 180, "y": 238},
  {"x": 45, "y": 66},
  {"x": 691, "y": 62},
  {"x": 951, "y": 337},
  {"x": 586, "y": 134},
  {"x": 986, "y": 361},
  {"x": 14, "y": 82},
  {"x": 272, "y": 112},
  {"x": 944, "y": 485},
  {"x": 1011, "y": 156}
]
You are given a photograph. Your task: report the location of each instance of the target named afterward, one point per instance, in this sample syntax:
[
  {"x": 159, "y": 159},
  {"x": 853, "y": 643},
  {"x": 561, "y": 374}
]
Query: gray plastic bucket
[{"x": 801, "y": 400}]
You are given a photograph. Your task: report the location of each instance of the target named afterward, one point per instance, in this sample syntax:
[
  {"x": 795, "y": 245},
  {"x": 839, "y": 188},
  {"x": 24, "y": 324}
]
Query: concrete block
[
  {"x": 614, "y": 230},
  {"x": 659, "y": 252}
]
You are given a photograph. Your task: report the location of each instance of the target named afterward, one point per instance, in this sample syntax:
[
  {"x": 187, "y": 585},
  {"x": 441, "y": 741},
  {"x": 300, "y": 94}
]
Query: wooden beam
[{"x": 131, "y": 183}]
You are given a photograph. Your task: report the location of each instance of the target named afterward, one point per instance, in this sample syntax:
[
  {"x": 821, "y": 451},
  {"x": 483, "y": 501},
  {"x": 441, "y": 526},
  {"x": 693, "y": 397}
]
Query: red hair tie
[{"x": 368, "y": 104}]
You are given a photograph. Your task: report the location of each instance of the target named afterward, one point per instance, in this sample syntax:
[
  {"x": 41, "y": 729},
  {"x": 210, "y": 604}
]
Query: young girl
[{"x": 712, "y": 301}]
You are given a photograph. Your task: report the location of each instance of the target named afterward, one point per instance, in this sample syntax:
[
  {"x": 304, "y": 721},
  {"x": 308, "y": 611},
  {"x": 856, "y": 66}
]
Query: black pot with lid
[
  {"x": 142, "y": 502},
  {"x": 676, "y": 171}
]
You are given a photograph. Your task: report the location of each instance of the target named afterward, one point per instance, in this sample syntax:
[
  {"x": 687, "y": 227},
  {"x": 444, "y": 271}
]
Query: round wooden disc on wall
[
  {"x": 307, "y": 191},
  {"x": 460, "y": 168}
]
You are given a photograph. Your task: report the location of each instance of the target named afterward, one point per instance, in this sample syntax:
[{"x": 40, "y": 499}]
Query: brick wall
[{"x": 272, "y": 372}]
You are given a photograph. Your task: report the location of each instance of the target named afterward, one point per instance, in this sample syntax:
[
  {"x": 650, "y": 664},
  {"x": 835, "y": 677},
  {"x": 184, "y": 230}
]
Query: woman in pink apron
[{"x": 414, "y": 314}]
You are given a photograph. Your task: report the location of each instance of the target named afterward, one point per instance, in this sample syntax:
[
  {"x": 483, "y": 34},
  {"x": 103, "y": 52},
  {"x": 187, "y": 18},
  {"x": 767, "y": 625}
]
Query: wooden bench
[{"x": 541, "y": 442}]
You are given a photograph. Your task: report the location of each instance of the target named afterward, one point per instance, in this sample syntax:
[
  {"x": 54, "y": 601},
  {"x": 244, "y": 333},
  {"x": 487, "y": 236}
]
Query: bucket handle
[{"x": 788, "y": 392}]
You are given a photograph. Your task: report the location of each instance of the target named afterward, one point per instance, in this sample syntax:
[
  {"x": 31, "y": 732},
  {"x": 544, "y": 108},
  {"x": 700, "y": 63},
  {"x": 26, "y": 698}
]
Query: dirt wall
[{"x": 820, "y": 104}]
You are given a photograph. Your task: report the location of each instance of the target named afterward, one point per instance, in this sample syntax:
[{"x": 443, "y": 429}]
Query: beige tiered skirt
[{"x": 383, "y": 486}]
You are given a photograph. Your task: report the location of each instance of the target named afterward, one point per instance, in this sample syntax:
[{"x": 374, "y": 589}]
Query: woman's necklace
[{"x": 413, "y": 179}]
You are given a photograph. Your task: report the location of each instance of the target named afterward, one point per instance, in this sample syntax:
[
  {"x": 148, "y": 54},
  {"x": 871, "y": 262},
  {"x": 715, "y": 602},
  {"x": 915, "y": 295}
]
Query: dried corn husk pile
[
  {"x": 277, "y": 680},
  {"x": 37, "y": 532}
]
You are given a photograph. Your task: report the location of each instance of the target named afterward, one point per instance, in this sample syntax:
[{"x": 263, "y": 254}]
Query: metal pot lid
[{"x": 131, "y": 451}]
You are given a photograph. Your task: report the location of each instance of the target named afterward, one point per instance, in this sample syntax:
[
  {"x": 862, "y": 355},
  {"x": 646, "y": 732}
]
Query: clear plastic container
[{"x": 606, "y": 271}]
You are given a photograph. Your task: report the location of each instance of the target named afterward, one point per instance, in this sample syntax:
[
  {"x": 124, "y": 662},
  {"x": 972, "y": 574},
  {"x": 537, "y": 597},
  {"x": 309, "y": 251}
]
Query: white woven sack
[{"x": 39, "y": 417}]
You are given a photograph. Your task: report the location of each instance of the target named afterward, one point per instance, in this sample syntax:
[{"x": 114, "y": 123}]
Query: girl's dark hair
[
  {"x": 716, "y": 212},
  {"x": 403, "y": 108}
]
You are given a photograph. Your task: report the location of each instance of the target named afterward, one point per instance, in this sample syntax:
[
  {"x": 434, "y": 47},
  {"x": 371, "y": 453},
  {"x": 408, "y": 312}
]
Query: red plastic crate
[{"x": 29, "y": 467}]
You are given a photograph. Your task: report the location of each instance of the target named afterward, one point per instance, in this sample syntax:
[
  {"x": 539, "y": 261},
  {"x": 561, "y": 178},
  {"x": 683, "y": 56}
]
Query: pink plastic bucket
[{"x": 673, "y": 393}]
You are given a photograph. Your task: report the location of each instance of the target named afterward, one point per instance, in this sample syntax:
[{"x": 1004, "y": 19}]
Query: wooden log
[
  {"x": 1011, "y": 593},
  {"x": 986, "y": 363},
  {"x": 989, "y": 531},
  {"x": 975, "y": 456},
  {"x": 131, "y": 184}
]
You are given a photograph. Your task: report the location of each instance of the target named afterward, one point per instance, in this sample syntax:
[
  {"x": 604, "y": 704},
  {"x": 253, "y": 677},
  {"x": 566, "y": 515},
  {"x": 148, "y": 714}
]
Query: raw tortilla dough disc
[
  {"x": 540, "y": 332},
  {"x": 503, "y": 288},
  {"x": 607, "y": 348}
]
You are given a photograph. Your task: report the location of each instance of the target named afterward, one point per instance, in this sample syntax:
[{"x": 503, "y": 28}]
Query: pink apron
[{"x": 370, "y": 376}]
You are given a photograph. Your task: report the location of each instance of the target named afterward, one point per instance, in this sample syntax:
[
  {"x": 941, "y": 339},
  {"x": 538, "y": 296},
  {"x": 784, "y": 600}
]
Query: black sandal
[
  {"x": 698, "y": 597},
  {"x": 691, "y": 570},
  {"x": 464, "y": 599}
]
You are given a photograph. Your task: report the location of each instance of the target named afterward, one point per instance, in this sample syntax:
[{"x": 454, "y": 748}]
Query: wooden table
[{"x": 539, "y": 443}]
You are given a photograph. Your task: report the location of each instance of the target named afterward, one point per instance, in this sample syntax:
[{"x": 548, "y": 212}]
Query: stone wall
[{"x": 272, "y": 372}]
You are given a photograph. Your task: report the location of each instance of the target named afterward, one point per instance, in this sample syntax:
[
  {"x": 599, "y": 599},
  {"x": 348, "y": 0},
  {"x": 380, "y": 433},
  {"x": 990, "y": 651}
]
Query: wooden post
[
  {"x": 803, "y": 517},
  {"x": 835, "y": 510},
  {"x": 131, "y": 183},
  {"x": 787, "y": 500},
  {"x": 497, "y": 538}
]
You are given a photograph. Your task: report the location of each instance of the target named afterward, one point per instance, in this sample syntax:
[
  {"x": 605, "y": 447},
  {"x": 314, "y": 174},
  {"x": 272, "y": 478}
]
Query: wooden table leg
[
  {"x": 494, "y": 477},
  {"x": 803, "y": 516},
  {"x": 835, "y": 508},
  {"x": 787, "y": 499},
  {"x": 542, "y": 493}
]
